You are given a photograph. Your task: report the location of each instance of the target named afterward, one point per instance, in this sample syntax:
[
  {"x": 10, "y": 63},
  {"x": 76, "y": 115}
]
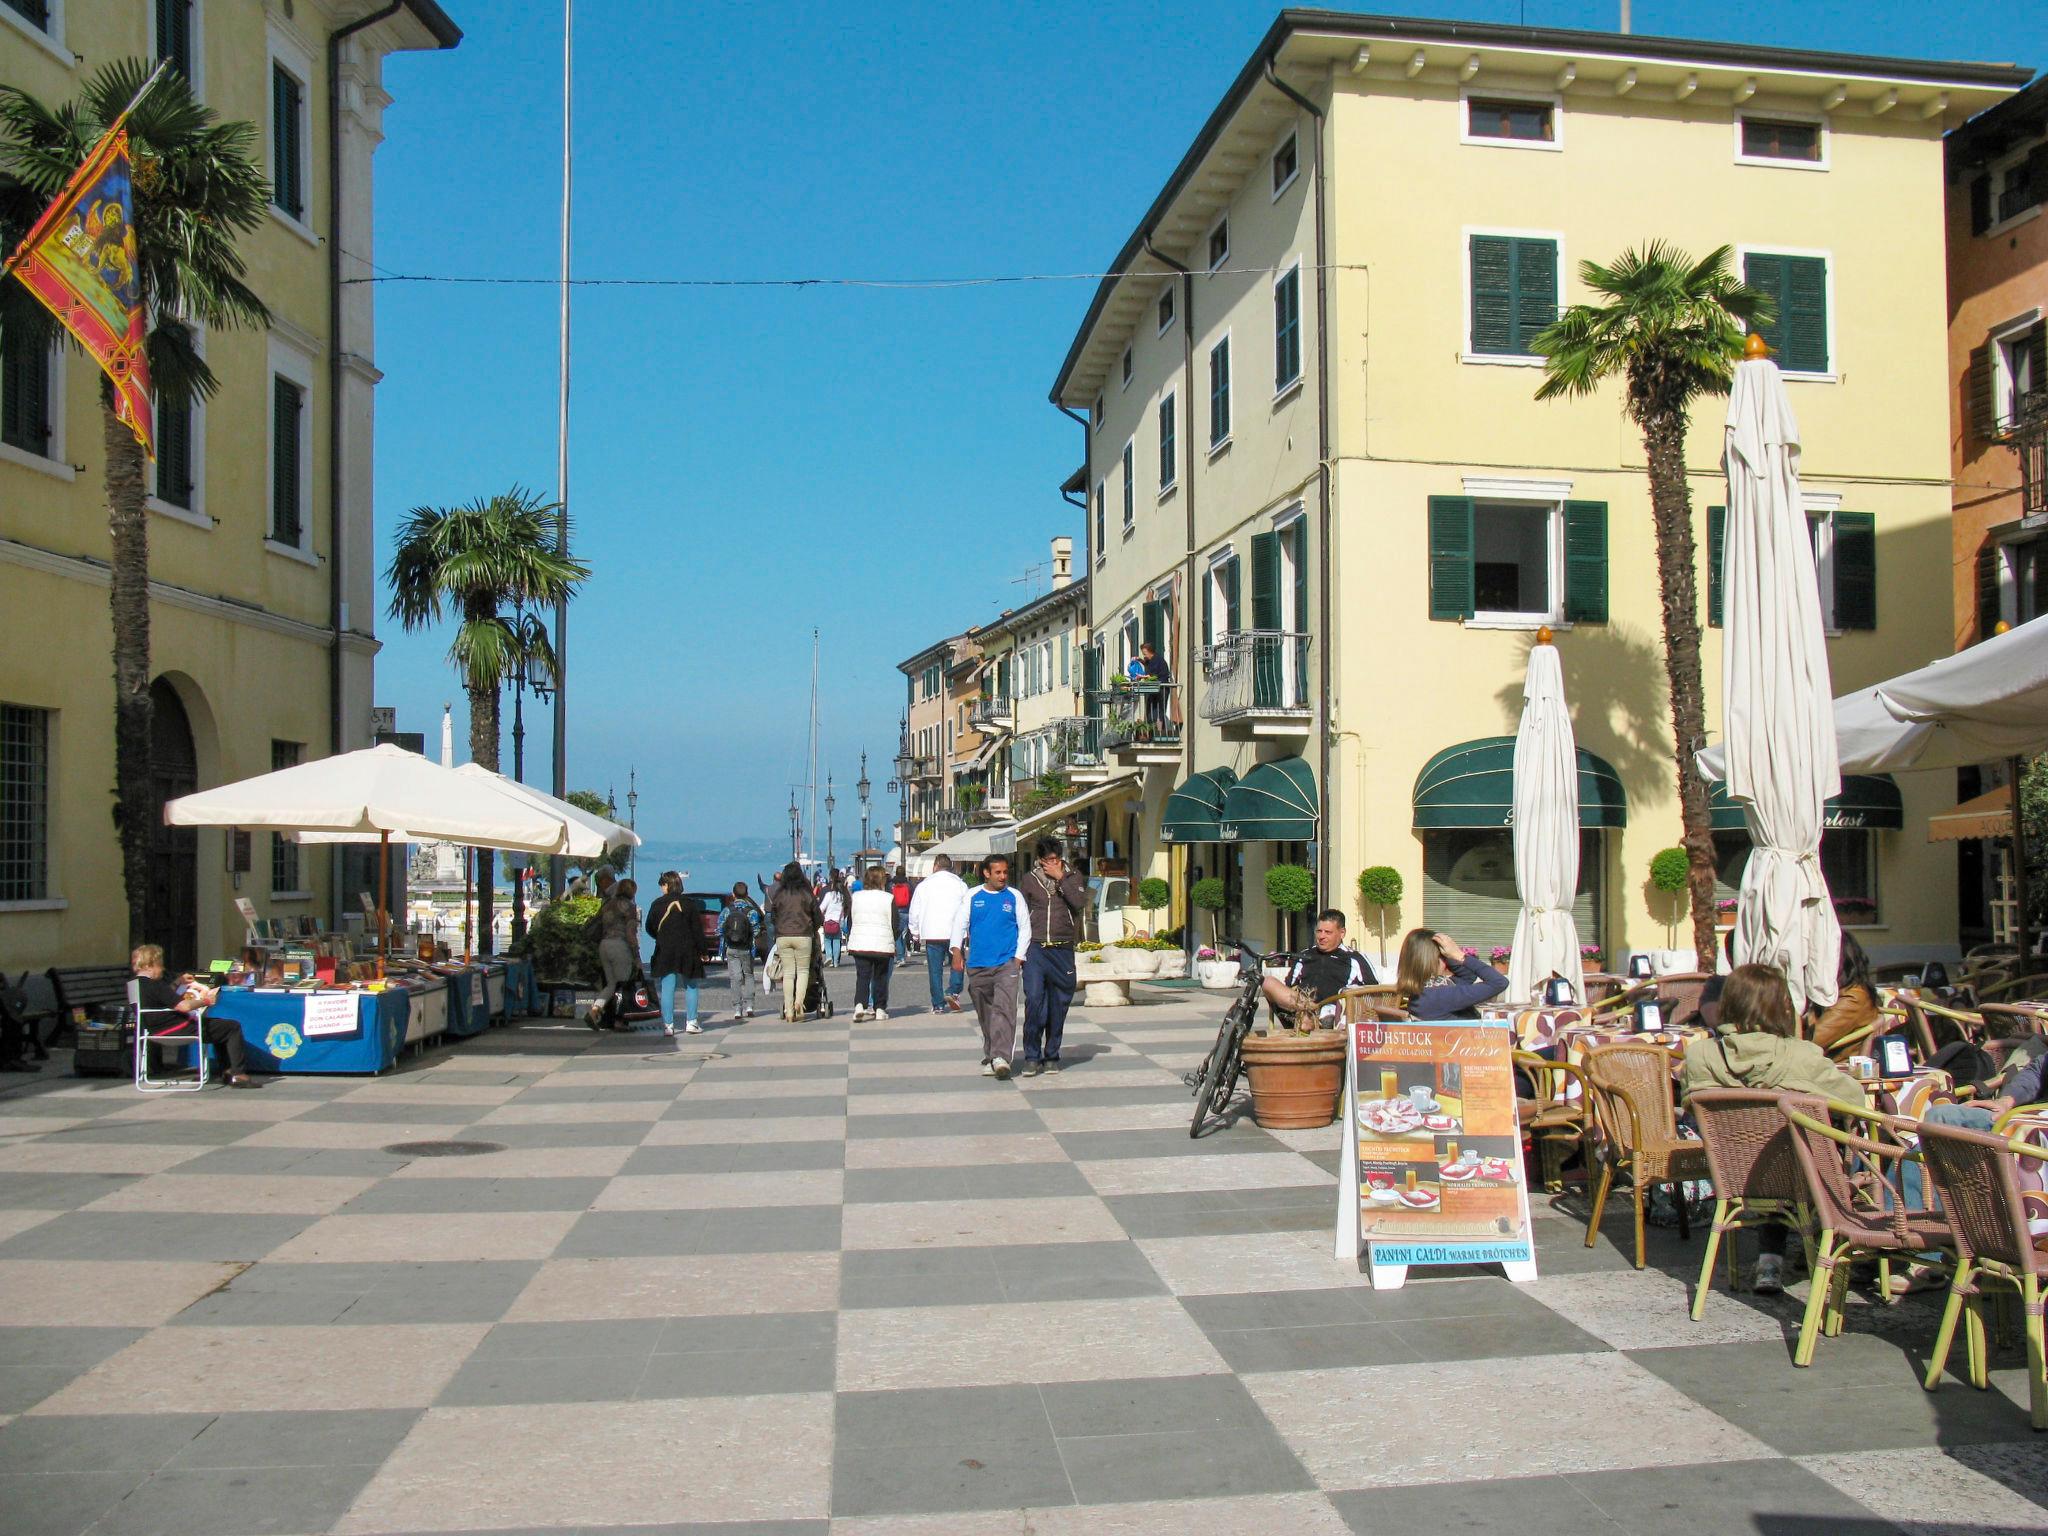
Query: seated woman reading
[{"x": 156, "y": 994}]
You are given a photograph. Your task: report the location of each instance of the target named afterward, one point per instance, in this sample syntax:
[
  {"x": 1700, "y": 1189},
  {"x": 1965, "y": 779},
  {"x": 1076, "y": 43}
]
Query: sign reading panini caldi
[{"x": 1433, "y": 1149}]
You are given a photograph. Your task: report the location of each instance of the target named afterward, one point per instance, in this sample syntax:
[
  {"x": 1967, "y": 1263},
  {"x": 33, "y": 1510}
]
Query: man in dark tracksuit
[{"x": 1056, "y": 898}]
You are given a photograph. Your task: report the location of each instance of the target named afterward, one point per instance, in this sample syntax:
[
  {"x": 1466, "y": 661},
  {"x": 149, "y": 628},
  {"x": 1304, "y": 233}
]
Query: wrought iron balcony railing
[
  {"x": 1137, "y": 713},
  {"x": 1259, "y": 673},
  {"x": 1075, "y": 742}
]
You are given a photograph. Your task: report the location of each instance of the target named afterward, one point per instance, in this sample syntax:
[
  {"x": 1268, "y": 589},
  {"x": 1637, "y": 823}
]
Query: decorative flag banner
[{"x": 80, "y": 260}]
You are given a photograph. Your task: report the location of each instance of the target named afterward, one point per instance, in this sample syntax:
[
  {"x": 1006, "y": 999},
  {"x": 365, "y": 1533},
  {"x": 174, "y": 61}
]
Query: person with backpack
[
  {"x": 676, "y": 924},
  {"x": 739, "y": 928}
]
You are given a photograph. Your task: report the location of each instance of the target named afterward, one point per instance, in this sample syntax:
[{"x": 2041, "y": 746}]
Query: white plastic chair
[{"x": 182, "y": 1030}]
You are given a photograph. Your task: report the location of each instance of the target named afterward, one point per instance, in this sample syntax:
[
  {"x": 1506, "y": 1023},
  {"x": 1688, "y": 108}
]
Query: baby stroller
[{"x": 816, "y": 999}]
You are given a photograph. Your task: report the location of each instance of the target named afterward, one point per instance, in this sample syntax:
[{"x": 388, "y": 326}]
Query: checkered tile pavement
[{"x": 827, "y": 1277}]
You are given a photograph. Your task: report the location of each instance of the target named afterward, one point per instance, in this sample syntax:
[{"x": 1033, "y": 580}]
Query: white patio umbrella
[
  {"x": 1546, "y": 799},
  {"x": 585, "y": 834},
  {"x": 1776, "y": 698}
]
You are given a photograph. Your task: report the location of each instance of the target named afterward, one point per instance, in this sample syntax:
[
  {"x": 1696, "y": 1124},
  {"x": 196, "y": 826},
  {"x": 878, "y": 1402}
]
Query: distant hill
[{"x": 738, "y": 850}]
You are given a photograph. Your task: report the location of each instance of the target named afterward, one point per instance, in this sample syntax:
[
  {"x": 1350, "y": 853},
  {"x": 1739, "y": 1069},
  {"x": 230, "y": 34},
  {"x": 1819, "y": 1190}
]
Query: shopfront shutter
[
  {"x": 1482, "y": 920},
  {"x": 1717, "y": 545},
  {"x": 1855, "y": 570},
  {"x": 1535, "y": 290},
  {"x": 1493, "y": 294},
  {"x": 1982, "y": 385},
  {"x": 1805, "y": 315},
  {"x": 1450, "y": 557},
  {"x": 1585, "y": 562},
  {"x": 1266, "y": 581},
  {"x": 1990, "y": 607},
  {"x": 1980, "y": 203}
]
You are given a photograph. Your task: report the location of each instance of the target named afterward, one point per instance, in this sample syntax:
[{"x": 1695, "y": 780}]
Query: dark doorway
[{"x": 171, "y": 905}]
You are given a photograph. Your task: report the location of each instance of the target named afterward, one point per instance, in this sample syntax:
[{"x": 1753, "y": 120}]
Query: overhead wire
[{"x": 986, "y": 280}]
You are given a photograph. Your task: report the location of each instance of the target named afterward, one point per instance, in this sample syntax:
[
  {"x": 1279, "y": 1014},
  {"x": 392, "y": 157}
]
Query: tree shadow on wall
[{"x": 1618, "y": 695}]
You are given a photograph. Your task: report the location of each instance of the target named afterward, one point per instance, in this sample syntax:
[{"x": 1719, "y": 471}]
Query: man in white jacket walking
[{"x": 933, "y": 906}]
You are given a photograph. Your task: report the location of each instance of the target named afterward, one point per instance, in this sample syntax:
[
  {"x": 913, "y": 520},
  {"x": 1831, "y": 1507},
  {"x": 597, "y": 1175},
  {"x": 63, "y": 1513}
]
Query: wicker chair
[
  {"x": 2007, "y": 1022},
  {"x": 1856, "y": 1222},
  {"x": 1630, "y": 1090},
  {"x": 1559, "y": 1125},
  {"x": 1974, "y": 1175},
  {"x": 1756, "y": 1176},
  {"x": 2015, "y": 987},
  {"x": 1679, "y": 994}
]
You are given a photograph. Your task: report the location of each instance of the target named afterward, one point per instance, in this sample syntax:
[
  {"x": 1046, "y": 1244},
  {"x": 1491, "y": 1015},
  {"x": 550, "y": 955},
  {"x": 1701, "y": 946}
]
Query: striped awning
[
  {"x": 1868, "y": 801},
  {"x": 1275, "y": 803},
  {"x": 1473, "y": 785},
  {"x": 1194, "y": 811}
]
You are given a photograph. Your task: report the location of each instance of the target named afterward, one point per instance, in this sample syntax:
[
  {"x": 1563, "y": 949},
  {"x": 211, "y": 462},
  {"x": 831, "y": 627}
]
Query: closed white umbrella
[
  {"x": 1546, "y": 834},
  {"x": 1777, "y": 703}
]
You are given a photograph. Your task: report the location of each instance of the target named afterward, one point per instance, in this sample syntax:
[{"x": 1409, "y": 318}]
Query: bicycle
[{"x": 1215, "y": 1083}]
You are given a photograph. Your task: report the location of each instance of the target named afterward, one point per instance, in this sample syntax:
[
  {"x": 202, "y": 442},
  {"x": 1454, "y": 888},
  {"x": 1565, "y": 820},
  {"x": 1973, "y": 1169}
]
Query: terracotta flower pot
[{"x": 1296, "y": 1080}]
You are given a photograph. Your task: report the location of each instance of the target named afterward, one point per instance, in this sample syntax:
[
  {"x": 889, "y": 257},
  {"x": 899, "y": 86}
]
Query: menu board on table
[
  {"x": 1433, "y": 1151},
  {"x": 329, "y": 1013}
]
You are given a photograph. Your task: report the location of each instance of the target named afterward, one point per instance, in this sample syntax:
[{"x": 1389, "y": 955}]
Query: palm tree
[
  {"x": 1673, "y": 329},
  {"x": 480, "y": 561},
  {"x": 197, "y": 187}
]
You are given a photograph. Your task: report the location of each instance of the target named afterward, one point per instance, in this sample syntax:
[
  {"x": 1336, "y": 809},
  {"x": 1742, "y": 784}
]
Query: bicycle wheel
[{"x": 1225, "y": 1057}]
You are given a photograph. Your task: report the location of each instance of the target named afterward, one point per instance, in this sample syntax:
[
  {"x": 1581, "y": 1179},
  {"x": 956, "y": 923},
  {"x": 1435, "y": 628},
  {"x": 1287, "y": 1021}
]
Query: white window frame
[
  {"x": 1101, "y": 540},
  {"x": 1127, "y": 366},
  {"x": 2001, "y": 338},
  {"x": 288, "y": 362},
  {"x": 1293, "y": 134},
  {"x": 1172, "y": 398},
  {"x": 56, "y": 387},
  {"x": 198, "y": 77},
  {"x": 1221, "y": 343},
  {"x": 1555, "y": 102},
  {"x": 1217, "y": 259},
  {"x": 1292, "y": 269},
  {"x": 1996, "y": 171},
  {"x": 196, "y": 515},
  {"x": 1742, "y": 255},
  {"x": 1101, "y": 412},
  {"x": 1778, "y": 163},
  {"x": 1466, "y": 354},
  {"x": 50, "y": 38},
  {"x": 1294, "y": 520},
  {"x": 1130, "y": 468},
  {"x": 284, "y": 52},
  {"x": 1820, "y": 508},
  {"x": 1219, "y": 607},
  {"x": 1552, "y": 504},
  {"x": 1166, "y": 297},
  {"x": 1130, "y": 635}
]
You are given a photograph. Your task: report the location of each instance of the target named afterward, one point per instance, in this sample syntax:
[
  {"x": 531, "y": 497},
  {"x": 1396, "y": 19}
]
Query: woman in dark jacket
[
  {"x": 1437, "y": 979},
  {"x": 676, "y": 924},
  {"x": 618, "y": 951},
  {"x": 793, "y": 910}
]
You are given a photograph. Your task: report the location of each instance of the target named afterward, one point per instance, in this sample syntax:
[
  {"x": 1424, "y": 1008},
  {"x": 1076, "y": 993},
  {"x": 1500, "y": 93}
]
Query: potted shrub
[
  {"x": 1153, "y": 895},
  {"x": 1168, "y": 960},
  {"x": 1670, "y": 871},
  {"x": 1378, "y": 889},
  {"x": 1215, "y": 969},
  {"x": 1208, "y": 896},
  {"x": 1292, "y": 890},
  {"x": 1297, "y": 1078}
]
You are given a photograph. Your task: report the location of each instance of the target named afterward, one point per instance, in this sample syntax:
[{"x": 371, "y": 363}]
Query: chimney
[{"x": 1062, "y": 562}]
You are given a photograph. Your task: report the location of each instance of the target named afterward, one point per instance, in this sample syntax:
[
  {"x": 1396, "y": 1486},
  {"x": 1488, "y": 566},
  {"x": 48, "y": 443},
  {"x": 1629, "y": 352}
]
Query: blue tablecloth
[
  {"x": 522, "y": 993},
  {"x": 274, "y": 1030},
  {"x": 469, "y": 1002}
]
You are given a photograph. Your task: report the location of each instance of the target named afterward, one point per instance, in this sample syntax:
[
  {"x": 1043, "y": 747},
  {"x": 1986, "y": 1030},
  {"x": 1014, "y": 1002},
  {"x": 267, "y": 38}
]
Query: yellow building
[
  {"x": 262, "y": 554},
  {"x": 1318, "y": 474}
]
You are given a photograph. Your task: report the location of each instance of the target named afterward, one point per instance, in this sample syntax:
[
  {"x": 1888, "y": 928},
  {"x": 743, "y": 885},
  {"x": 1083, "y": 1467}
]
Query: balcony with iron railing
[
  {"x": 1256, "y": 683},
  {"x": 2029, "y": 439},
  {"x": 924, "y": 770},
  {"x": 995, "y": 712},
  {"x": 1070, "y": 746},
  {"x": 1140, "y": 720}
]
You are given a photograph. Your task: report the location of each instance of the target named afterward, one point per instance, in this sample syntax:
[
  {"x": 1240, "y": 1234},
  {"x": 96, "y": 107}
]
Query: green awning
[
  {"x": 1473, "y": 785},
  {"x": 1868, "y": 801},
  {"x": 1194, "y": 811},
  {"x": 1275, "y": 803}
]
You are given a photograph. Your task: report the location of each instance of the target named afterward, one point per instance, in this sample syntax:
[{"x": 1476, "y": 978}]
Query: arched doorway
[{"x": 171, "y": 902}]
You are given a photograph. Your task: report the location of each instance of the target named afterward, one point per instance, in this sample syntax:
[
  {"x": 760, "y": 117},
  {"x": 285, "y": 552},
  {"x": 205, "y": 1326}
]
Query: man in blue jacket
[{"x": 991, "y": 932}]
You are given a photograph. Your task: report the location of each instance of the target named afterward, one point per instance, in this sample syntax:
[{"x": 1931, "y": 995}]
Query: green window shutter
[
  {"x": 1799, "y": 287},
  {"x": 1231, "y": 617},
  {"x": 174, "y": 456},
  {"x": 1990, "y": 603},
  {"x": 1298, "y": 534},
  {"x": 1219, "y": 392},
  {"x": 1208, "y": 610},
  {"x": 24, "y": 391},
  {"x": 1450, "y": 557},
  {"x": 1535, "y": 290},
  {"x": 1585, "y": 561},
  {"x": 1493, "y": 294},
  {"x": 1717, "y": 549},
  {"x": 286, "y": 404},
  {"x": 1855, "y": 570},
  {"x": 1152, "y": 630},
  {"x": 174, "y": 37},
  {"x": 2037, "y": 350},
  {"x": 287, "y": 167},
  {"x": 1982, "y": 385},
  {"x": 1265, "y": 581}
]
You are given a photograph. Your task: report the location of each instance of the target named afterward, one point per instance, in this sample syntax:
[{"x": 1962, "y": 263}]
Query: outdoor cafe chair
[
  {"x": 1861, "y": 1218},
  {"x": 1629, "y": 1087},
  {"x": 1976, "y": 1177},
  {"x": 2015, "y": 989},
  {"x": 1558, "y": 1127},
  {"x": 165, "y": 1027},
  {"x": 1756, "y": 1175},
  {"x": 2006, "y": 1022}
]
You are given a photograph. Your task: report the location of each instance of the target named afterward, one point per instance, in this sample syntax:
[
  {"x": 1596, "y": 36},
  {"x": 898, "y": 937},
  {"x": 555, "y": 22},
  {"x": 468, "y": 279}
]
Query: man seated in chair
[
  {"x": 1316, "y": 975},
  {"x": 155, "y": 994}
]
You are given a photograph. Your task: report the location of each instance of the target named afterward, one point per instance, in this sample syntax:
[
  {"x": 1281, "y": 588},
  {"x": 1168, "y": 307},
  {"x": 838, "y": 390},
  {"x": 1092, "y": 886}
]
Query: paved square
[{"x": 828, "y": 1278}]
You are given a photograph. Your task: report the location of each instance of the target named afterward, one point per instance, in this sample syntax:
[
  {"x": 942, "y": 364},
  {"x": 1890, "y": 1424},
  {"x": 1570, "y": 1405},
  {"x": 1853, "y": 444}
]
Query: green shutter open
[
  {"x": 1266, "y": 581},
  {"x": 1982, "y": 385},
  {"x": 1585, "y": 562},
  {"x": 1717, "y": 547},
  {"x": 1535, "y": 290},
  {"x": 1209, "y": 635},
  {"x": 1450, "y": 557},
  {"x": 1231, "y": 615},
  {"x": 1493, "y": 294},
  {"x": 1152, "y": 627},
  {"x": 1799, "y": 287},
  {"x": 1855, "y": 570},
  {"x": 1990, "y": 604}
]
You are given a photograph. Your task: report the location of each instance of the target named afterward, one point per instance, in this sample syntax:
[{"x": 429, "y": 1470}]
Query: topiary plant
[
  {"x": 1292, "y": 889},
  {"x": 562, "y": 948},
  {"x": 1208, "y": 895},
  {"x": 1153, "y": 894},
  {"x": 1670, "y": 871},
  {"x": 1378, "y": 889}
]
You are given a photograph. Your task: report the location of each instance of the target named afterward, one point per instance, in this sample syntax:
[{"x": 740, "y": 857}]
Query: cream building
[
  {"x": 262, "y": 549},
  {"x": 1318, "y": 475},
  {"x": 1034, "y": 692}
]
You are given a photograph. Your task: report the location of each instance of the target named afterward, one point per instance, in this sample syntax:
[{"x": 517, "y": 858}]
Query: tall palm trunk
[
  {"x": 1671, "y": 512},
  {"x": 483, "y": 750},
  {"x": 128, "y": 599}
]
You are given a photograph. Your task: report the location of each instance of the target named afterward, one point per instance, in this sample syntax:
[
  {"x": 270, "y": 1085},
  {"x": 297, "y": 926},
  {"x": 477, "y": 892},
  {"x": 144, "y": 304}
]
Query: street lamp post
[
  {"x": 796, "y": 850},
  {"x": 904, "y": 763},
  {"x": 632, "y": 816},
  {"x": 862, "y": 789},
  {"x": 531, "y": 674},
  {"x": 831, "y": 862}
]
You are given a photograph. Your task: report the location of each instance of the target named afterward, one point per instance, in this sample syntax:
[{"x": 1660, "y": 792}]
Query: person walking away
[
  {"x": 1316, "y": 975},
  {"x": 899, "y": 892},
  {"x": 676, "y": 924},
  {"x": 742, "y": 921},
  {"x": 871, "y": 937},
  {"x": 991, "y": 936},
  {"x": 833, "y": 905},
  {"x": 1152, "y": 666},
  {"x": 793, "y": 910},
  {"x": 155, "y": 994},
  {"x": 618, "y": 952},
  {"x": 939, "y": 899},
  {"x": 1056, "y": 897}
]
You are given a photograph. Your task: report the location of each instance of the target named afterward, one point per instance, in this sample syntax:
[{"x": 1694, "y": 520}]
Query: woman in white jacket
[{"x": 871, "y": 940}]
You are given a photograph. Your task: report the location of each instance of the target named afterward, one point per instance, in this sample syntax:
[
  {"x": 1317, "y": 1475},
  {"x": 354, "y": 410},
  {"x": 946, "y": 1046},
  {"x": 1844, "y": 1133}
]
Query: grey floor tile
[
  {"x": 949, "y": 1476},
  {"x": 1093, "y": 1146},
  {"x": 479, "y": 1291},
  {"x": 1189, "y": 1464},
  {"x": 1010, "y": 1181},
  {"x": 1764, "y": 1496},
  {"x": 1310, "y": 1348},
  {"x": 1110, "y": 1095},
  {"x": 1074, "y": 1272},
  {"x": 641, "y": 1234},
  {"x": 57, "y": 1191},
  {"x": 115, "y": 1442},
  {"x": 350, "y": 1162},
  {"x": 739, "y": 1373},
  {"x": 502, "y": 1380},
  {"x": 994, "y": 1122},
  {"x": 35, "y": 1362},
  {"x": 602, "y": 1133},
  {"x": 738, "y": 1071},
  {"x": 244, "y": 1501},
  {"x": 919, "y": 1416},
  {"x": 761, "y": 1330},
  {"x": 738, "y": 1157},
  {"x": 1494, "y": 1338},
  {"x": 1528, "y": 1506},
  {"x": 383, "y": 1112},
  {"x": 609, "y": 1336},
  {"x": 764, "y": 1108},
  {"x": 431, "y": 1196},
  {"x": 61, "y": 1503},
  {"x": 153, "y": 1235},
  {"x": 231, "y": 1307},
  {"x": 1161, "y": 1404},
  {"x": 356, "y": 1437},
  {"x": 654, "y": 1091}
]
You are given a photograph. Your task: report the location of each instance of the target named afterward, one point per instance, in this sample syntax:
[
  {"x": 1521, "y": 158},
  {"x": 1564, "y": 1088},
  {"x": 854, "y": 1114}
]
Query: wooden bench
[{"x": 101, "y": 1048}]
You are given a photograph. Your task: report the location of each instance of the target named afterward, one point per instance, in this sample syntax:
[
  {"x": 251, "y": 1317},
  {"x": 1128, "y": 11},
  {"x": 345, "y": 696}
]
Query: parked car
[{"x": 713, "y": 903}]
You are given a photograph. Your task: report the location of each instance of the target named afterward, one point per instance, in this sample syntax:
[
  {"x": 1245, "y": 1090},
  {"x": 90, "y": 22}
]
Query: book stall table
[{"x": 331, "y": 1030}]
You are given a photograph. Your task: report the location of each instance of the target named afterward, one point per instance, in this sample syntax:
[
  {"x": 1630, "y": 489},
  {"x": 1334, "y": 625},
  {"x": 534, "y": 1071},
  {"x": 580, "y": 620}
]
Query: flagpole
[
  {"x": 154, "y": 76},
  {"x": 113, "y": 128},
  {"x": 561, "y": 778}
]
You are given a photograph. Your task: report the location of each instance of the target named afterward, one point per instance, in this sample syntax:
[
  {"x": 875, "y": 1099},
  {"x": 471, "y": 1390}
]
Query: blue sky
[{"x": 747, "y": 465}]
